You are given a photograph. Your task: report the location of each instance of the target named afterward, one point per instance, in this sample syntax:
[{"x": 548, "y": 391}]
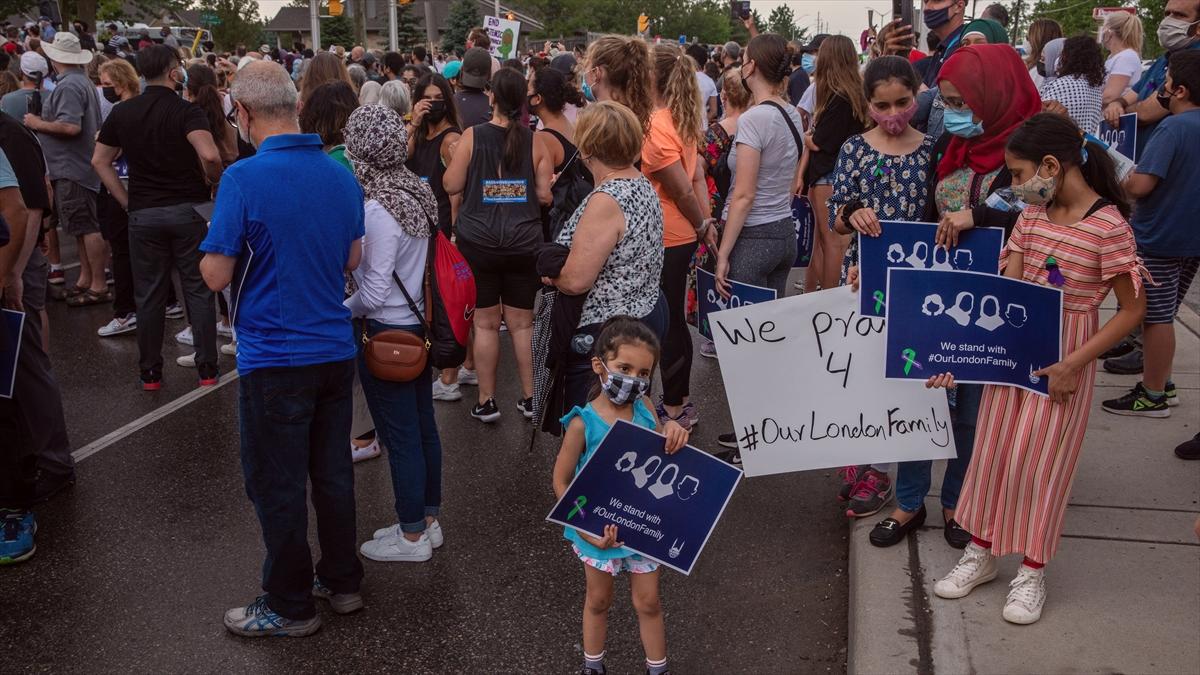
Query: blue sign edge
[
  {"x": 736, "y": 481},
  {"x": 11, "y": 385},
  {"x": 888, "y": 323}
]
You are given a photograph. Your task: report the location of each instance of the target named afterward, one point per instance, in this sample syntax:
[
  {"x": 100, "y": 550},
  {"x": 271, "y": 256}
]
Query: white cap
[{"x": 34, "y": 64}]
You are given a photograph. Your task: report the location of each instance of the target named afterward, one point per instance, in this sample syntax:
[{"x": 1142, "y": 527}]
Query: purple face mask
[{"x": 895, "y": 123}]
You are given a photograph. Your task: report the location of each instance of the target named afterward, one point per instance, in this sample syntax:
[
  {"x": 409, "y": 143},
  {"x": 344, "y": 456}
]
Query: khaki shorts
[{"x": 75, "y": 206}]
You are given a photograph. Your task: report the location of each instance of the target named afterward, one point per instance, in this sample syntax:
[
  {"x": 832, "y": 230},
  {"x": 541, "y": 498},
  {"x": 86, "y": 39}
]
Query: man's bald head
[{"x": 266, "y": 89}]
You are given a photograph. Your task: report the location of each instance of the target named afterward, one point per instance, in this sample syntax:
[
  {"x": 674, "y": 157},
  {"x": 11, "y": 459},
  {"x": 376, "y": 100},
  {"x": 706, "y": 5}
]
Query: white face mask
[
  {"x": 243, "y": 130},
  {"x": 1173, "y": 33}
]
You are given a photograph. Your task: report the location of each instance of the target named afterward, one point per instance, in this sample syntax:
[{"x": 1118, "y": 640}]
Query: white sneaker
[
  {"x": 229, "y": 349},
  {"x": 366, "y": 452},
  {"x": 188, "y": 361},
  {"x": 398, "y": 549},
  {"x": 175, "y": 311},
  {"x": 468, "y": 377},
  {"x": 976, "y": 566},
  {"x": 446, "y": 392},
  {"x": 125, "y": 324},
  {"x": 224, "y": 330},
  {"x": 434, "y": 531},
  {"x": 184, "y": 337},
  {"x": 1028, "y": 595}
]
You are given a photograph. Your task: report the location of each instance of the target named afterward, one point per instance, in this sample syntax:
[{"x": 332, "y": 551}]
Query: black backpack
[{"x": 573, "y": 185}]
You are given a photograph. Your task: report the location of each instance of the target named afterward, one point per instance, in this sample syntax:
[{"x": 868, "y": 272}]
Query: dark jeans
[
  {"x": 18, "y": 459},
  {"x": 913, "y": 478},
  {"x": 160, "y": 238},
  {"x": 114, "y": 225},
  {"x": 41, "y": 400},
  {"x": 676, "y": 363},
  {"x": 295, "y": 427},
  {"x": 404, "y": 423}
]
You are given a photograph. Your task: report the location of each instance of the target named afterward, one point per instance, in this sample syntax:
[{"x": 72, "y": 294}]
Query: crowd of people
[{"x": 292, "y": 202}]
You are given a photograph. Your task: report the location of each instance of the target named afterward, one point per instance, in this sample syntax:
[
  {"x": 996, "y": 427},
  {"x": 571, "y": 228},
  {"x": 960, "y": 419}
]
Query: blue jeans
[
  {"x": 404, "y": 423},
  {"x": 295, "y": 427},
  {"x": 913, "y": 478}
]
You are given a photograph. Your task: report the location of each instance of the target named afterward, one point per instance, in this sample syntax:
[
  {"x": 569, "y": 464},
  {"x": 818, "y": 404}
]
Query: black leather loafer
[
  {"x": 955, "y": 535},
  {"x": 890, "y": 531}
]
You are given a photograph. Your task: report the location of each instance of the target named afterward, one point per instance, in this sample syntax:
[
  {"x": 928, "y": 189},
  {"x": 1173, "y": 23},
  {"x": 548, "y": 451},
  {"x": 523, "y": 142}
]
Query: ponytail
[
  {"x": 1058, "y": 136},
  {"x": 627, "y": 72},
  {"x": 508, "y": 94},
  {"x": 675, "y": 79}
]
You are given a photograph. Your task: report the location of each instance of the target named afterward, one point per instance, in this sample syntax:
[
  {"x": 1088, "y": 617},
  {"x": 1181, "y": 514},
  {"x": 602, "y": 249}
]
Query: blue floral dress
[{"x": 896, "y": 187}]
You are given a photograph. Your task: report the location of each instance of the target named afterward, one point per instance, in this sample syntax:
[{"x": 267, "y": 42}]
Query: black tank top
[
  {"x": 568, "y": 147},
  {"x": 500, "y": 209},
  {"x": 426, "y": 162}
]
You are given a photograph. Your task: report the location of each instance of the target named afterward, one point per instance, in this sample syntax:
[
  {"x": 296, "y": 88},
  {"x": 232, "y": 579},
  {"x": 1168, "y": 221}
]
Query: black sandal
[
  {"x": 89, "y": 297},
  {"x": 890, "y": 531}
]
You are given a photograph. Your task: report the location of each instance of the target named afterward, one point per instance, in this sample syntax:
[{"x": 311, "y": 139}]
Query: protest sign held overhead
[
  {"x": 979, "y": 327},
  {"x": 503, "y": 34},
  {"x": 664, "y": 506},
  {"x": 804, "y": 376}
]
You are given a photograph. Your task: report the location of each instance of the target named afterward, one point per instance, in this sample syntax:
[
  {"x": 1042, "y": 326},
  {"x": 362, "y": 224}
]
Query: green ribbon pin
[
  {"x": 878, "y": 301},
  {"x": 580, "y": 502},
  {"x": 910, "y": 356}
]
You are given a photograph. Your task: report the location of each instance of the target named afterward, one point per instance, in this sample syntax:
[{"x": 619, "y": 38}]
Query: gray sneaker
[
  {"x": 258, "y": 620},
  {"x": 342, "y": 603},
  {"x": 1130, "y": 364}
]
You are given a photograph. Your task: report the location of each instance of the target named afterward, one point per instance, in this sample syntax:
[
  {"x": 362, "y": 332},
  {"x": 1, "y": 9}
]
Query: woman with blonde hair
[
  {"x": 669, "y": 159},
  {"x": 618, "y": 69},
  {"x": 1040, "y": 33},
  {"x": 1122, "y": 36},
  {"x": 840, "y": 112},
  {"x": 322, "y": 68}
]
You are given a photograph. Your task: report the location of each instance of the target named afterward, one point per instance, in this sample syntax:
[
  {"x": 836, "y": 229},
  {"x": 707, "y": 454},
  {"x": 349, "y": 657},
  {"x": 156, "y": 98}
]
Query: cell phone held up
[
  {"x": 34, "y": 103},
  {"x": 902, "y": 15},
  {"x": 739, "y": 10}
]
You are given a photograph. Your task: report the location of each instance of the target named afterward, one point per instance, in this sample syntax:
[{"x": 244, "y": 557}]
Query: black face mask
[
  {"x": 110, "y": 94},
  {"x": 1164, "y": 99},
  {"x": 437, "y": 112},
  {"x": 1041, "y": 68}
]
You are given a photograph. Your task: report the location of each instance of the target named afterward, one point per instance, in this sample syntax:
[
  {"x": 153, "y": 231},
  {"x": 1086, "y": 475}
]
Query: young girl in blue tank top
[{"x": 625, "y": 355}]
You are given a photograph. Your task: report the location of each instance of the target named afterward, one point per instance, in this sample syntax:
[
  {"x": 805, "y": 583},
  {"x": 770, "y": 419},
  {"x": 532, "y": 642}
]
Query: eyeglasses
[
  {"x": 953, "y": 103},
  {"x": 231, "y": 118}
]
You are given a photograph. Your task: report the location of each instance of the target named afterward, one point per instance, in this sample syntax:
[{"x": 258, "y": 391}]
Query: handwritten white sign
[
  {"x": 805, "y": 381},
  {"x": 504, "y": 35}
]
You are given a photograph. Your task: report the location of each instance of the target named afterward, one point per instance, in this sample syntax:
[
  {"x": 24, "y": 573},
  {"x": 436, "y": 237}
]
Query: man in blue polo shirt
[{"x": 285, "y": 253}]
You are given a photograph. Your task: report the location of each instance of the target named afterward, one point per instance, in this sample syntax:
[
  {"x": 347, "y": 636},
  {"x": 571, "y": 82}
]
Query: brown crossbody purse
[{"x": 398, "y": 355}]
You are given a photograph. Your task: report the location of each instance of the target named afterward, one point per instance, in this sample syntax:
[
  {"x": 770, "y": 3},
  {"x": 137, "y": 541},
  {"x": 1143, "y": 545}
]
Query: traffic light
[
  {"x": 404, "y": 2},
  {"x": 335, "y": 8},
  {"x": 510, "y": 16},
  {"x": 643, "y": 23}
]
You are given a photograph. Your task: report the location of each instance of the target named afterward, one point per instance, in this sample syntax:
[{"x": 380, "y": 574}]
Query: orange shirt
[{"x": 662, "y": 148}]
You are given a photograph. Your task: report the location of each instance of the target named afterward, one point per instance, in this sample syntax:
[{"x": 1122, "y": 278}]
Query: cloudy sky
[{"x": 836, "y": 16}]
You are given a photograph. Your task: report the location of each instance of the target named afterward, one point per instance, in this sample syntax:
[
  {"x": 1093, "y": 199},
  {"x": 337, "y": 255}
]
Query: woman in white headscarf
[{"x": 400, "y": 213}]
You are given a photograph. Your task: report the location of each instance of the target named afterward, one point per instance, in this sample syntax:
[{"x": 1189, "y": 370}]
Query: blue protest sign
[
  {"x": 982, "y": 328},
  {"x": 1123, "y": 137},
  {"x": 10, "y": 348},
  {"x": 805, "y": 222},
  {"x": 909, "y": 244},
  {"x": 709, "y": 300},
  {"x": 664, "y": 506}
]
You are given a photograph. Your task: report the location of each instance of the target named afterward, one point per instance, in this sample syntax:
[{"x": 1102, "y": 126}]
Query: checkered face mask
[{"x": 623, "y": 389}]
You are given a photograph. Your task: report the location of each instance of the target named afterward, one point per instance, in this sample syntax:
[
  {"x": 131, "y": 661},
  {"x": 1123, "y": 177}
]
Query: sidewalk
[{"x": 1123, "y": 594}]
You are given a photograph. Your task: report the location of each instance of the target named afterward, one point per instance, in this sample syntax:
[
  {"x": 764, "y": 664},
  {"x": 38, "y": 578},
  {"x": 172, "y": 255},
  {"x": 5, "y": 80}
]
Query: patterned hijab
[{"x": 377, "y": 145}]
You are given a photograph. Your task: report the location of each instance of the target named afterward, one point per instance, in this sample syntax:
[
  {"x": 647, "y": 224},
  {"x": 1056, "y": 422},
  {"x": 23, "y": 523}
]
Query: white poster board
[
  {"x": 805, "y": 381},
  {"x": 504, "y": 35}
]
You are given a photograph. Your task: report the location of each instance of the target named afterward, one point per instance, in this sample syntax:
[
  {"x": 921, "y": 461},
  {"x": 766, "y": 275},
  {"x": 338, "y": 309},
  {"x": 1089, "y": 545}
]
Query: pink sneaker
[
  {"x": 873, "y": 490},
  {"x": 850, "y": 476}
]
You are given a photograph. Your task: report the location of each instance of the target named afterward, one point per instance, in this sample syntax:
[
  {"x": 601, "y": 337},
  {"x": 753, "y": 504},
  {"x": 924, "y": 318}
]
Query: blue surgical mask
[
  {"x": 962, "y": 123},
  {"x": 808, "y": 62},
  {"x": 587, "y": 91}
]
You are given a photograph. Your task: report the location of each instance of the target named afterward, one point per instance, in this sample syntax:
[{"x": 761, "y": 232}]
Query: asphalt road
[{"x": 137, "y": 562}]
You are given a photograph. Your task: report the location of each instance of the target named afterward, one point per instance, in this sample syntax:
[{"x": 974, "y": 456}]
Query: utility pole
[
  {"x": 392, "y": 37},
  {"x": 431, "y": 31},
  {"x": 314, "y": 18}
]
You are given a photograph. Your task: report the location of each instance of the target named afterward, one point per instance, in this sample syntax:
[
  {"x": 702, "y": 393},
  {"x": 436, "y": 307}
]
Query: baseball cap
[
  {"x": 451, "y": 70},
  {"x": 476, "y": 68},
  {"x": 34, "y": 64},
  {"x": 564, "y": 63},
  {"x": 815, "y": 44}
]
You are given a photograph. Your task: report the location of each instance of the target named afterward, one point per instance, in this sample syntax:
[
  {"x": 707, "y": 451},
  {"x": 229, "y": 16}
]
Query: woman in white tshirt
[{"x": 1122, "y": 37}]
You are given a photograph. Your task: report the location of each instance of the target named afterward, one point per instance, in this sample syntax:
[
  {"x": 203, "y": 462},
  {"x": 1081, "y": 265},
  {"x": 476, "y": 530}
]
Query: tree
[
  {"x": 782, "y": 20},
  {"x": 464, "y": 15},
  {"x": 337, "y": 30},
  {"x": 239, "y": 22},
  {"x": 408, "y": 32}
]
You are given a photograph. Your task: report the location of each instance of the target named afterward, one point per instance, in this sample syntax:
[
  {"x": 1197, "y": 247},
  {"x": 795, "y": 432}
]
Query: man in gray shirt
[
  {"x": 67, "y": 130},
  {"x": 33, "y": 70}
]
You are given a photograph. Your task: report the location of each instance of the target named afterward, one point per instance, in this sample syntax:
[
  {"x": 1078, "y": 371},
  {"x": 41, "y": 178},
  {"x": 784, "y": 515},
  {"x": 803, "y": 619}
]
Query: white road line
[{"x": 150, "y": 418}]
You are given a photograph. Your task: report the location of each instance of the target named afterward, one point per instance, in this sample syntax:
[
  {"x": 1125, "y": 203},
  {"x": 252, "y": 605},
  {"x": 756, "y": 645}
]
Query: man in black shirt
[
  {"x": 471, "y": 102},
  {"x": 166, "y": 141},
  {"x": 798, "y": 81}
]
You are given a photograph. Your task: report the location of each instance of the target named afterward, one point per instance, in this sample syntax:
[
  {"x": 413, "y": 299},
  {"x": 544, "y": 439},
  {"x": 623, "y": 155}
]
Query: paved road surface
[{"x": 137, "y": 563}]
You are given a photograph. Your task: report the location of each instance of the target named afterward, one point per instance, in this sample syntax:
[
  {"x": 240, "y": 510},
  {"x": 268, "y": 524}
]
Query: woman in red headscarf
[{"x": 987, "y": 94}]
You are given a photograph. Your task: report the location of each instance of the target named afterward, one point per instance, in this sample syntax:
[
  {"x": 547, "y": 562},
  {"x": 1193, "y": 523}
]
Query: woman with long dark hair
[
  {"x": 202, "y": 90},
  {"x": 503, "y": 174}
]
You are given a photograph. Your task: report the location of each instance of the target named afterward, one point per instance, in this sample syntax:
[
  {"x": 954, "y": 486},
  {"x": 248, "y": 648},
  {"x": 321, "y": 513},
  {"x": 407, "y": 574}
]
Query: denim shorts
[{"x": 827, "y": 179}]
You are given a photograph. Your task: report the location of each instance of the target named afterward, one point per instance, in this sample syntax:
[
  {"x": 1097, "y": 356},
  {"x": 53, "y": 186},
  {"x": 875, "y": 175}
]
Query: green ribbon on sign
[
  {"x": 910, "y": 356},
  {"x": 878, "y": 301},
  {"x": 580, "y": 502}
]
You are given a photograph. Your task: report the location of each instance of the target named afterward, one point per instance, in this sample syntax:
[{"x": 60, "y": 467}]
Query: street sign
[{"x": 209, "y": 19}]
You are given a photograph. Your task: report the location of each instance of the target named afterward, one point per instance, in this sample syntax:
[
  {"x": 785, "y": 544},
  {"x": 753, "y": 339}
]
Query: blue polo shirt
[
  {"x": 1164, "y": 222},
  {"x": 289, "y": 215}
]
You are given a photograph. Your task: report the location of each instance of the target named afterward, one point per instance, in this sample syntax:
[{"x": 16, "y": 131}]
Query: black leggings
[{"x": 676, "y": 363}]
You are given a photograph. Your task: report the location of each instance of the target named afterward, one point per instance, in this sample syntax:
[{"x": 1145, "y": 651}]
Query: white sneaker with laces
[
  {"x": 398, "y": 549},
  {"x": 446, "y": 392},
  {"x": 359, "y": 454},
  {"x": 224, "y": 330},
  {"x": 188, "y": 361},
  {"x": 118, "y": 326},
  {"x": 468, "y": 377},
  {"x": 436, "y": 538},
  {"x": 229, "y": 349},
  {"x": 184, "y": 337},
  {"x": 1027, "y": 597},
  {"x": 976, "y": 566}
]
